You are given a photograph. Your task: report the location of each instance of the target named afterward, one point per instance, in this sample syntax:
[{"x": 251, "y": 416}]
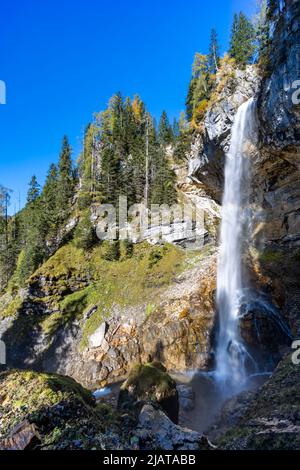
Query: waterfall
[{"x": 231, "y": 355}]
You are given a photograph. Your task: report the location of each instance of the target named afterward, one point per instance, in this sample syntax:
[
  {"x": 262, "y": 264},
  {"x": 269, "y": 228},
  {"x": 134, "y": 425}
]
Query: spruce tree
[
  {"x": 189, "y": 102},
  {"x": 50, "y": 200},
  {"x": 33, "y": 191},
  {"x": 85, "y": 235},
  {"x": 214, "y": 52},
  {"x": 242, "y": 43},
  {"x": 165, "y": 133},
  {"x": 65, "y": 184}
]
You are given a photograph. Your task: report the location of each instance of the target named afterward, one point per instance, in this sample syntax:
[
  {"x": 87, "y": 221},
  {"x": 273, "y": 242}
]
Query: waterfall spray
[{"x": 231, "y": 355}]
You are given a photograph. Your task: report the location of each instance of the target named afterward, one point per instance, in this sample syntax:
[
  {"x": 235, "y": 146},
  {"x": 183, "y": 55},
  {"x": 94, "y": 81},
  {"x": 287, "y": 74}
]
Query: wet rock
[
  {"x": 264, "y": 331},
  {"x": 156, "y": 431},
  {"x": 150, "y": 384},
  {"x": 267, "y": 419}
]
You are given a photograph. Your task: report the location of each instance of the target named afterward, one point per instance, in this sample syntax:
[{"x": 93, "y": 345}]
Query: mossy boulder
[
  {"x": 150, "y": 383},
  {"x": 48, "y": 411}
]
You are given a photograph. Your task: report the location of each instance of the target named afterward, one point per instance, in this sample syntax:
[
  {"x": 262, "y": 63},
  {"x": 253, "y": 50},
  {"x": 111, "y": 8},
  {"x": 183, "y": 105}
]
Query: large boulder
[
  {"x": 54, "y": 412},
  {"x": 156, "y": 431},
  {"x": 150, "y": 383}
]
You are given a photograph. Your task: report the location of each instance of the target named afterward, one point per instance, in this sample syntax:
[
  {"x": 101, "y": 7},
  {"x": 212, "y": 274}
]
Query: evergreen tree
[
  {"x": 262, "y": 32},
  {"x": 242, "y": 43},
  {"x": 65, "y": 183},
  {"x": 200, "y": 89},
  {"x": 49, "y": 200},
  {"x": 214, "y": 52},
  {"x": 189, "y": 102},
  {"x": 85, "y": 235},
  {"x": 165, "y": 133},
  {"x": 6, "y": 258},
  {"x": 182, "y": 123},
  {"x": 175, "y": 128},
  {"x": 33, "y": 191}
]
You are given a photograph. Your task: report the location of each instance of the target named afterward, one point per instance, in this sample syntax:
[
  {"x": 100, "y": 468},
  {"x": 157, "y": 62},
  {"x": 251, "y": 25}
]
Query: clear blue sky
[{"x": 62, "y": 60}]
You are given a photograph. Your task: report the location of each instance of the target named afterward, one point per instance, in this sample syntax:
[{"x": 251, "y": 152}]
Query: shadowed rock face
[
  {"x": 264, "y": 332},
  {"x": 266, "y": 419},
  {"x": 279, "y": 112},
  {"x": 276, "y": 170}
]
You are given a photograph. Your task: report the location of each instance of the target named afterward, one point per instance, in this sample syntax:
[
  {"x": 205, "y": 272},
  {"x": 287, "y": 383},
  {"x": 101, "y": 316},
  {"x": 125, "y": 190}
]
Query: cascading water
[{"x": 231, "y": 355}]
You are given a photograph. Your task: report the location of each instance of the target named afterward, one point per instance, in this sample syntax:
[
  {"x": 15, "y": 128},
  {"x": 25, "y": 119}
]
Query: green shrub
[
  {"x": 111, "y": 251},
  {"x": 85, "y": 235}
]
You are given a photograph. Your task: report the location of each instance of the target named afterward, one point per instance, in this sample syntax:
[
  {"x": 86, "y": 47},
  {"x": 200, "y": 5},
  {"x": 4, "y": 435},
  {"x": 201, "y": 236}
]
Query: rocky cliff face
[
  {"x": 275, "y": 193},
  {"x": 206, "y": 165},
  {"x": 276, "y": 171}
]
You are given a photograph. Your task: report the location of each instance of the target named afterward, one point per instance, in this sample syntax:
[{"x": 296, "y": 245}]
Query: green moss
[
  {"x": 149, "y": 309},
  {"x": 31, "y": 390},
  {"x": 271, "y": 256},
  {"x": 65, "y": 263},
  {"x": 12, "y": 308},
  {"x": 149, "y": 381},
  {"x": 71, "y": 306},
  {"x": 133, "y": 281},
  {"x": 62, "y": 411}
]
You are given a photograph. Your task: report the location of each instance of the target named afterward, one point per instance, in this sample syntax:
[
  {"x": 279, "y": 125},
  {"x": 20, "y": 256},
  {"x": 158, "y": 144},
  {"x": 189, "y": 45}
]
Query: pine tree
[
  {"x": 33, "y": 191},
  {"x": 49, "y": 200},
  {"x": 242, "y": 43},
  {"x": 262, "y": 32},
  {"x": 175, "y": 128},
  {"x": 214, "y": 52},
  {"x": 6, "y": 258},
  {"x": 85, "y": 235},
  {"x": 189, "y": 102},
  {"x": 65, "y": 184},
  {"x": 165, "y": 133},
  {"x": 182, "y": 123}
]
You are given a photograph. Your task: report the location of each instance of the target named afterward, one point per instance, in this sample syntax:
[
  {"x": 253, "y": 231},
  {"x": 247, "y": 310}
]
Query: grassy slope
[{"x": 74, "y": 281}]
